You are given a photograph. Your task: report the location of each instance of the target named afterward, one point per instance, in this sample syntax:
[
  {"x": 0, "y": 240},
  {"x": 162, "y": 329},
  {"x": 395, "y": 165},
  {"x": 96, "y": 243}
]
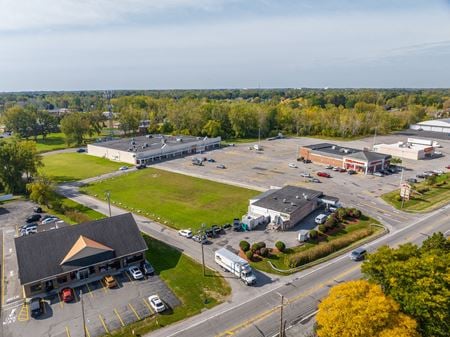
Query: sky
[{"x": 200, "y": 44}]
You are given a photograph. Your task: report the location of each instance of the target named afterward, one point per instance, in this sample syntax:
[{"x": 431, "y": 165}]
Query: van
[
  {"x": 320, "y": 219},
  {"x": 358, "y": 254}
]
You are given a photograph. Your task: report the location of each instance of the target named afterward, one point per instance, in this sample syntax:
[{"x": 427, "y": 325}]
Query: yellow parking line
[
  {"x": 105, "y": 289},
  {"x": 87, "y": 331},
  {"x": 67, "y": 332},
  {"x": 89, "y": 290},
  {"x": 132, "y": 309},
  {"x": 103, "y": 323},
  {"x": 61, "y": 303},
  {"x": 118, "y": 316},
  {"x": 24, "y": 313},
  {"x": 148, "y": 306}
]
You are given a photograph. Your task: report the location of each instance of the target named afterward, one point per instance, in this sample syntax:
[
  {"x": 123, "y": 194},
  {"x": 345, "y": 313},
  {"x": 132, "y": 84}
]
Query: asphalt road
[{"x": 259, "y": 316}]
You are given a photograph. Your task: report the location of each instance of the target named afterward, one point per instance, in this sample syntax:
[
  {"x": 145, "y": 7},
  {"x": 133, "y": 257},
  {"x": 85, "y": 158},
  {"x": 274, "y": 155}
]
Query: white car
[
  {"x": 292, "y": 165},
  {"x": 187, "y": 233},
  {"x": 305, "y": 174},
  {"x": 378, "y": 174},
  {"x": 123, "y": 168},
  {"x": 49, "y": 220},
  {"x": 438, "y": 172},
  {"x": 156, "y": 303},
  {"x": 135, "y": 272}
]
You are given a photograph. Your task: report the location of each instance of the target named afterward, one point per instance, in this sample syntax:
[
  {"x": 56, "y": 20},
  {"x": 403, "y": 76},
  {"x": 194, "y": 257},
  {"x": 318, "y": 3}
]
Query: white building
[
  {"x": 405, "y": 150},
  {"x": 436, "y": 125},
  {"x": 151, "y": 148}
]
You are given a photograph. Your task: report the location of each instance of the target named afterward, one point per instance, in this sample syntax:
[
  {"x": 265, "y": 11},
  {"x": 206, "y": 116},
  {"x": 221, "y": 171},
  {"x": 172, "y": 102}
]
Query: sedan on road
[
  {"x": 135, "y": 272},
  {"x": 123, "y": 168},
  {"x": 187, "y": 233},
  {"x": 156, "y": 303}
]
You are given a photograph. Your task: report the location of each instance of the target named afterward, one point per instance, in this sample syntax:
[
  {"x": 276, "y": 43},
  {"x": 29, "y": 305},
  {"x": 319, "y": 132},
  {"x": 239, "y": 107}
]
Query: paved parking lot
[
  {"x": 105, "y": 309},
  {"x": 261, "y": 170}
]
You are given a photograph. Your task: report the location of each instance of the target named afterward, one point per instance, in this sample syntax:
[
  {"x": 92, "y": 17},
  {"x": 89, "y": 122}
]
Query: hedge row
[{"x": 325, "y": 249}]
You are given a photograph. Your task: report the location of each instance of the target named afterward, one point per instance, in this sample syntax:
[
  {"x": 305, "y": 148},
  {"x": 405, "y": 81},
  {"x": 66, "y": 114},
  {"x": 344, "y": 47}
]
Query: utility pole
[
  {"x": 203, "y": 254},
  {"x": 82, "y": 312},
  {"x": 108, "y": 196},
  {"x": 281, "y": 317}
]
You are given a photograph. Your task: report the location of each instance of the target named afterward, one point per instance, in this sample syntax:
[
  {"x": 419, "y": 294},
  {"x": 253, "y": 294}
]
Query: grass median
[
  {"x": 176, "y": 200},
  {"x": 185, "y": 278},
  {"x": 426, "y": 196}
]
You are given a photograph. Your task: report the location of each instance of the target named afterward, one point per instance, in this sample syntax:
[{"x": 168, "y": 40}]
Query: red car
[
  {"x": 323, "y": 174},
  {"x": 67, "y": 295},
  {"x": 448, "y": 167}
]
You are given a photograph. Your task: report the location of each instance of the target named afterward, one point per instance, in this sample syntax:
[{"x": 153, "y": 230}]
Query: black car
[
  {"x": 211, "y": 160},
  {"x": 33, "y": 218},
  {"x": 81, "y": 150},
  {"x": 36, "y": 306},
  {"x": 217, "y": 229},
  {"x": 307, "y": 161},
  {"x": 210, "y": 233},
  {"x": 351, "y": 172},
  {"x": 412, "y": 180},
  {"x": 420, "y": 175},
  {"x": 141, "y": 166},
  {"x": 226, "y": 226},
  {"x": 37, "y": 209}
]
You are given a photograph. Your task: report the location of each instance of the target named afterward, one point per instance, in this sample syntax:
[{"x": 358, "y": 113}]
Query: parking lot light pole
[
  {"x": 203, "y": 254},
  {"x": 82, "y": 312},
  {"x": 108, "y": 196},
  {"x": 281, "y": 334}
]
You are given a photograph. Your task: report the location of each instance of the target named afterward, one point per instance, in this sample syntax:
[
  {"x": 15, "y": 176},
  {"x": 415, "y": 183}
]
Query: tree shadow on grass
[{"x": 161, "y": 255}]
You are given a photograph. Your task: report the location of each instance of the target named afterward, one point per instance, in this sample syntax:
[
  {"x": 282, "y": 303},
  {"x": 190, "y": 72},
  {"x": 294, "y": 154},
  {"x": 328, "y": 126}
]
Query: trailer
[
  {"x": 426, "y": 142},
  {"x": 236, "y": 265}
]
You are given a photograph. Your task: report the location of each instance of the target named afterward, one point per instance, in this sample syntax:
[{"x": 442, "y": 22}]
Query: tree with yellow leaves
[{"x": 360, "y": 309}]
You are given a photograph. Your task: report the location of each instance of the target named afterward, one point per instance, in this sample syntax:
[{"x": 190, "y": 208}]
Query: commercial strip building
[
  {"x": 345, "y": 157},
  {"x": 406, "y": 150},
  {"x": 79, "y": 254},
  {"x": 436, "y": 125},
  {"x": 151, "y": 148},
  {"x": 284, "y": 208}
]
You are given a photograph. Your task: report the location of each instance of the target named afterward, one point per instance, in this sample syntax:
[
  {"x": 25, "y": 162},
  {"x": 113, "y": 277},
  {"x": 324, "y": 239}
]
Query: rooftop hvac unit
[
  {"x": 334, "y": 147},
  {"x": 292, "y": 204},
  {"x": 179, "y": 140},
  {"x": 297, "y": 197},
  {"x": 284, "y": 200}
]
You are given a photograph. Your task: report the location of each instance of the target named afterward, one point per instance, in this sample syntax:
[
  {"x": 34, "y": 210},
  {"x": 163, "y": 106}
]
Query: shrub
[
  {"x": 327, "y": 248},
  {"x": 244, "y": 245},
  {"x": 313, "y": 234},
  {"x": 357, "y": 213},
  {"x": 257, "y": 246},
  {"x": 423, "y": 189},
  {"x": 264, "y": 252},
  {"x": 249, "y": 254},
  {"x": 398, "y": 198},
  {"x": 280, "y": 246},
  {"x": 331, "y": 221},
  {"x": 341, "y": 213},
  {"x": 323, "y": 229},
  {"x": 77, "y": 216}
]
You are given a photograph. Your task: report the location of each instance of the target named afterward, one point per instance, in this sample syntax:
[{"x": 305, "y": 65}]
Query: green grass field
[
  {"x": 73, "y": 213},
  {"x": 177, "y": 200},
  {"x": 185, "y": 278},
  {"x": 76, "y": 166},
  {"x": 435, "y": 197},
  {"x": 53, "y": 141}
]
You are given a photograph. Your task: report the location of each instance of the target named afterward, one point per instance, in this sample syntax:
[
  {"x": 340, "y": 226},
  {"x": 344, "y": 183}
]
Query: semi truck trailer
[{"x": 236, "y": 265}]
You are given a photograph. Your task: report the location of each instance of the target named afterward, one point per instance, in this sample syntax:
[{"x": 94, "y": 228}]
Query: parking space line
[
  {"x": 89, "y": 290},
  {"x": 67, "y": 332},
  {"x": 104, "y": 288},
  {"x": 24, "y": 313},
  {"x": 103, "y": 323},
  {"x": 148, "y": 306},
  {"x": 87, "y": 331},
  {"x": 118, "y": 316},
  {"x": 129, "y": 277},
  {"x": 135, "y": 312},
  {"x": 61, "y": 303}
]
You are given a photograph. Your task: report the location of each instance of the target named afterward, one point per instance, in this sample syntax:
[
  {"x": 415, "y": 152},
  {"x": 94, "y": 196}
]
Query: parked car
[
  {"x": 187, "y": 233},
  {"x": 420, "y": 175},
  {"x": 378, "y": 174},
  {"x": 123, "y": 168},
  {"x": 320, "y": 219},
  {"x": 307, "y": 161},
  {"x": 36, "y": 306},
  {"x": 156, "y": 303},
  {"x": 210, "y": 233},
  {"x": 148, "y": 268},
  {"x": 141, "y": 166},
  {"x": 227, "y": 226},
  {"x": 329, "y": 167},
  {"x": 217, "y": 229},
  {"x": 67, "y": 295},
  {"x": 33, "y": 218},
  {"x": 109, "y": 281},
  {"x": 221, "y": 166},
  {"x": 211, "y": 160},
  {"x": 292, "y": 165},
  {"x": 81, "y": 150},
  {"x": 336, "y": 168},
  {"x": 135, "y": 272},
  {"x": 438, "y": 172},
  {"x": 314, "y": 180},
  {"x": 305, "y": 175},
  {"x": 200, "y": 239},
  {"x": 358, "y": 254},
  {"x": 411, "y": 180},
  {"x": 448, "y": 167},
  {"x": 37, "y": 209},
  {"x": 323, "y": 174},
  {"x": 351, "y": 172},
  {"x": 49, "y": 220},
  {"x": 28, "y": 230}
]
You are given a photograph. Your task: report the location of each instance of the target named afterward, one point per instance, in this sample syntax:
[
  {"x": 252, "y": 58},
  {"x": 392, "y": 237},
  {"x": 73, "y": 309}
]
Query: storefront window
[{"x": 36, "y": 287}]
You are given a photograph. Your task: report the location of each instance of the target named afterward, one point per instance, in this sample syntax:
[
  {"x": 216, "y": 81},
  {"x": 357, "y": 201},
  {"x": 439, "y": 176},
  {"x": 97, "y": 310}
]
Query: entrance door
[{"x": 83, "y": 274}]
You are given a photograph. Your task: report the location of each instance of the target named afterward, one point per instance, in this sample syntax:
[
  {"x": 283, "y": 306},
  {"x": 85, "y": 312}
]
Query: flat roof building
[
  {"x": 345, "y": 157},
  {"x": 286, "y": 207},
  {"x": 406, "y": 150},
  {"x": 151, "y": 148},
  {"x": 78, "y": 254},
  {"x": 436, "y": 125}
]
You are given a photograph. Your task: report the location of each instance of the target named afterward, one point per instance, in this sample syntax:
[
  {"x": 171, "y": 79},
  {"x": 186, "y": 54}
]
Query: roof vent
[
  {"x": 297, "y": 197},
  {"x": 293, "y": 204},
  {"x": 284, "y": 200},
  {"x": 334, "y": 147}
]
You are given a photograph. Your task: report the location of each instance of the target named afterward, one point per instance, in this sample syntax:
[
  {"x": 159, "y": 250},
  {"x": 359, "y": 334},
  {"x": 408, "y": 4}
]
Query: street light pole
[
  {"x": 281, "y": 316},
  {"x": 108, "y": 196},
  {"x": 203, "y": 254},
  {"x": 82, "y": 312}
]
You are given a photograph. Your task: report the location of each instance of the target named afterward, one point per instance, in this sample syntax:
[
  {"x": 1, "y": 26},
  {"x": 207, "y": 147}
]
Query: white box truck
[
  {"x": 235, "y": 264},
  {"x": 426, "y": 142}
]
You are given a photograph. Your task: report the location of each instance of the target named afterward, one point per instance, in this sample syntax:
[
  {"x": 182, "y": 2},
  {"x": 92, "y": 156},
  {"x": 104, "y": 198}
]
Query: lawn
[
  {"x": 280, "y": 260},
  {"x": 177, "y": 200},
  {"x": 53, "y": 141},
  {"x": 435, "y": 197},
  {"x": 76, "y": 166},
  {"x": 185, "y": 278}
]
